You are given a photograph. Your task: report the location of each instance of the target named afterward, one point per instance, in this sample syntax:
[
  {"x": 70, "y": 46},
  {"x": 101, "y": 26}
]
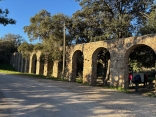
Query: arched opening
[
  {"x": 100, "y": 67},
  {"x": 42, "y": 60},
  {"x": 140, "y": 59},
  {"x": 34, "y": 63},
  {"x": 50, "y": 67},
  {"x": 77, "y": 66}
]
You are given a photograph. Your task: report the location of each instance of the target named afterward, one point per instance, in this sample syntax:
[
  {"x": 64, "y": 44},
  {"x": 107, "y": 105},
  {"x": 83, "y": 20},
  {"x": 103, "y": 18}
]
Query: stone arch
[
  {"x": 126, "y": 57},
  {"x": 76, "y": 64},
  {"x": 34, "y": 62},
  {"x": 95, "y": 57}
]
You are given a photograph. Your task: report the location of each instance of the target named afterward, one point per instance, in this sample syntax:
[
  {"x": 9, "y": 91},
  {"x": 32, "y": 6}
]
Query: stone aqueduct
[{"x": 119, "y": 50}]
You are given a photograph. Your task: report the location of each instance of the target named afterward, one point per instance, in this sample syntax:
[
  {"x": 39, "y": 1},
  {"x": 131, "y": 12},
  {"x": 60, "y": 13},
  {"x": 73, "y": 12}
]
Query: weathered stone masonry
[
  {"x": 19, "y": 63},
  {"x": 119, "y": 50}
]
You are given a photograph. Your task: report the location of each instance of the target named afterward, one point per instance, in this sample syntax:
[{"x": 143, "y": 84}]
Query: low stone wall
[{"x": 19, "y": 63}]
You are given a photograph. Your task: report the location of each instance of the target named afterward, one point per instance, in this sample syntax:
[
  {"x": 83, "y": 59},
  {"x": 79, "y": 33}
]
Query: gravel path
[{"x": 30, "y": 97}]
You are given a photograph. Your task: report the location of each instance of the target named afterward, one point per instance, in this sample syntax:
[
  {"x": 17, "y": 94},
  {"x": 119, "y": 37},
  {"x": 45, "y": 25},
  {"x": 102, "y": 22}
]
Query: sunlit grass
[
  {"x": 6, "y": 68},
  {"x": 31, "y": 75},
  {"x": 9, "y": 72}
]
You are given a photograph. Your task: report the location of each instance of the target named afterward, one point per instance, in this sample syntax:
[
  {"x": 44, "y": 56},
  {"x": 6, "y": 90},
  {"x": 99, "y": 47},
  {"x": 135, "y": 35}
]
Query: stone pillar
[
  {"x": 87, "y": 69},
  {"x": 55, "y": 68},
  {"x": 19, "y": 62},
  {"x": 25, "y": 66},
  {"x": 38, "y": 64},
  {"x": 30, "y": 63},
  {"x": 87, "y": 72},
  {"x": 16, "y": 61},
  {"x": 26, "y": 69},
  {"x": 117, "y": 68},
  {"x": 13, "y": 60},
  {"x": 22, "y": 64},
  {"x": 14, "y": 64},
  {"x": 68, "y": 69},
  {"x": 46, "y": 66}
]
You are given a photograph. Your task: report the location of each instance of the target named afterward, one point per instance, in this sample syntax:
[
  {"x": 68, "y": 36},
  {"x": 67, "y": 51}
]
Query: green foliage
[
  {"x": 25, "y": 49},
  {"x": 4, "y": 20},
  {"x": 49, "y": 29},
  {"x": 9, "y": 44},
  {"x": 38, "y": 47},
  {"x": 149, "y": 26},
  {"x": 14, "y": 38},
  {"x": 79, "y": 80},
  {"x": 108, "y": 19},
  {"x": 102, "y": 62},
  {"x": 6, "y": 66},
  {"x": 140, "y": 57},
  {"x": 135, "y": 66}
]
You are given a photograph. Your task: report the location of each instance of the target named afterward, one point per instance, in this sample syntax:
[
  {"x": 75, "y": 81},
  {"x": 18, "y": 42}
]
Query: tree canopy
[
  {"x": 49, "y": 29},
  {"x": 4, "y": 20},
  {"x": 108, "y": 19},
  {"x": 97, "y": 20},
  {"x": 149, "y": 26},
  {"x": 25, "y": 49},
  {"x": 9, "y": 44}
]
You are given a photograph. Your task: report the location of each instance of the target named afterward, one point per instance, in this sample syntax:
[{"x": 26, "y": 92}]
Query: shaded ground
[{"x": 147, "y": 90}]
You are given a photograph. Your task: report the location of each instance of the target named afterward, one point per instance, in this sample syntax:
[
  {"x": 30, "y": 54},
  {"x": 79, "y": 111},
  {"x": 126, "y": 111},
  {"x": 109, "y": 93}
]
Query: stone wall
[
  {"x": 119, "y": 50},
  {"x": 19, "y": 63}
]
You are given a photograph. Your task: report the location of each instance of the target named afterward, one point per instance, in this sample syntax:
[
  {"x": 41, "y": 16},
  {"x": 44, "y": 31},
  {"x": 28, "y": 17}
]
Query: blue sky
[{"x": 23, "y": 10}]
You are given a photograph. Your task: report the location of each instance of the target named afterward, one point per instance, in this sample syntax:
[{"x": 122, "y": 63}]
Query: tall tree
[
  {"x": 4, "y": 20},
  {"x": 49, "y": 29},
  {"x": 108, "y": 19}
]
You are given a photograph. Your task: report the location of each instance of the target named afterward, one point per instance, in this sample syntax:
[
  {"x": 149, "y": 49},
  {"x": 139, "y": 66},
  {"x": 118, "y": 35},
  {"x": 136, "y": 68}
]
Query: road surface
[{"x": 33, "y": 97}]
